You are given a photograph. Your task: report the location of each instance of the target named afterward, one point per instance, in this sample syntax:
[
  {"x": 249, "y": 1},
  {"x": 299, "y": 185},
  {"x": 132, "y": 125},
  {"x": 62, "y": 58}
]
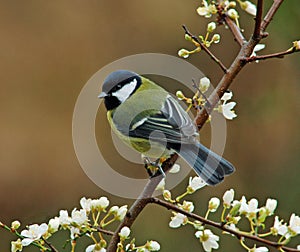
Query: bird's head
[{"x": 118, "y": 87}]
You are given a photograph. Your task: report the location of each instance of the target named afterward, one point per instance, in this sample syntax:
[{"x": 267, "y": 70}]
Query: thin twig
[
  {"x": 219, "y": 225},
  {"x": 204, "y": 48},
  {"x": 235, "y": 30},
  {"x": 273, "y": 55},
  {"x": 258, "y": 18},
  {"x": 269, "y": 16},
  {"x": 50, "y": 246},
  {"x": 104, "y": 231}
]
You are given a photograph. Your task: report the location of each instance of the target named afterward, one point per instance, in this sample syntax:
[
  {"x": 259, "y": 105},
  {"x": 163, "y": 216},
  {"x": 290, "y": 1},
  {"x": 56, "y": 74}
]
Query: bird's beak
[{"x": 102, "y": 95}]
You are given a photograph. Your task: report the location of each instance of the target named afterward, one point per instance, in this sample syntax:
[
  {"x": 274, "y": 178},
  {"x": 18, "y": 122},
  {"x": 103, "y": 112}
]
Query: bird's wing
[{"x": 171, "y": 122}]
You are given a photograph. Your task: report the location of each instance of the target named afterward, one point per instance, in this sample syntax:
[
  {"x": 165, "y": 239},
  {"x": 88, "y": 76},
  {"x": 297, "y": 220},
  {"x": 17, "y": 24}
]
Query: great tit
[{"x": 148, "y": 119}]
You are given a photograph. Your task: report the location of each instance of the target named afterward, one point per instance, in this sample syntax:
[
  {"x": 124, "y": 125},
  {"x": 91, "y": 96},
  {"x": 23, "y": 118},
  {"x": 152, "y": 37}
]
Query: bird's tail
[{"x": 208, "y": 165}]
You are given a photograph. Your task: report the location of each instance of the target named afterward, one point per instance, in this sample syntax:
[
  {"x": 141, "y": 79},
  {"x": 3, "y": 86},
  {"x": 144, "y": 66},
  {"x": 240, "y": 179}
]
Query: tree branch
[
  {"x": 258, "y": 18},
  {"x": 218, "y": 225},
  {"x": 204, "y": 48},
  {"x": 104, "y": 231},
  {"x": 269, "y": 16},
  {"x": 273, "y": 55},
  {"x": 50, "y": 246},
  {"x": 235, "y": 30}
]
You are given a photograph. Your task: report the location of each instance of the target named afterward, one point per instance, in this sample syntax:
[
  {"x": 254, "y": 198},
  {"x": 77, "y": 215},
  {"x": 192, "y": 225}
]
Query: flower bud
[
  {"x": 180, "y": 95},
  {"x": 296, "y": 45},
  {"x": 204, "y": 84},
  {"x": 216, "y": 38},
  {"x": 125, "y": 232},
  {"x": 228, "y": 198},
  {"x": 211, "y": 27},
  {"x": 183, "y": 53},
  {"x": 233, "y": 14},
  {"x": 187, "y": 37},
  {"x": 167, "y": 195},
  {"x": 213, "y": 204},
  {"x": 15, "y": 225}
]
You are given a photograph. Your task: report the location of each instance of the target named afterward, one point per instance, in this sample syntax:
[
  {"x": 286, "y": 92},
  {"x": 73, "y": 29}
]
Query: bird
[{"x": 149, "y": 120}]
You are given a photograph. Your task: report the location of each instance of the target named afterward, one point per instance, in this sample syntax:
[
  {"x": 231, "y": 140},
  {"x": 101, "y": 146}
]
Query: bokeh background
[{"x": 48, "y": 51}]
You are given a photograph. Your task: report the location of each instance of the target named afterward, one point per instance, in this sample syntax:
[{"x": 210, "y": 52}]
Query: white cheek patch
[{"x": 123, "y": 93}]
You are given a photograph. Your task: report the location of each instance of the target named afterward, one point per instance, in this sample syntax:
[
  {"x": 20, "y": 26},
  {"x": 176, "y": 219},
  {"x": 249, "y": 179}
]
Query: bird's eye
[{"x": 119, "y": 86}]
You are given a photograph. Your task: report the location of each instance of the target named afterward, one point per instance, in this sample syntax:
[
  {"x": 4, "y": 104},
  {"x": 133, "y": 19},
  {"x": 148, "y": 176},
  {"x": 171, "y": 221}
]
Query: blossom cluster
[
  {"x": 207, "y": 10},
  {"x": 78, "y": 222},
  {"x": 93, "y": 216},
  {"x": 233, "y": 212},
  {"x": 224, "y": 107}
]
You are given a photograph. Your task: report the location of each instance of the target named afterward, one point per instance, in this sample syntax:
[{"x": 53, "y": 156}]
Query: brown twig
[
  {"x": 235, "y": 30},
  {"x": 258, "y": 18},
  {"x": 273, "y": 55},
  {"x": 269, "y": 16},
  {"x": 204, "y": 48},
  {"x": 104, "y": 231},
  {"x": 218, "y": 225},
  {"x": 50, "y": 246}
]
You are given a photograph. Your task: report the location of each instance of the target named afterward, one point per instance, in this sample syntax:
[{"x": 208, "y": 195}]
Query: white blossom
[
  {"x": 279, "y": 228},
  {"x": 208, "y": 239},
  {"x": 296, "y": 44},
  {"x": 227, "y": 96},
  {"x": 249, "y": 7},
  {"x": 74, "y": 232},
  {"x": 227, "y": 110},
  {"x": 124, "y": 232},
  {"x": 153, "y": 246},
  {"x": 95, "y": 248},
  {"x": 271, "y": 205},
  {"x": 177, "y": 220},
  {"x": 64, "y": 218},
  {"x": 257, "y": 48},
  {"x": 204, "y": 84},
  {"x": 16, "y": 245},
  {"x": 228, "y": 198},
  {"x": 213, "y": 204},
  {"x": 53, "y": 225},
  {"x": 85, "y": 204},
  {"x": 121, "y": 212},
  {"x": 260, "y": 249},
  {"x": 114, "y": 209},
  {"x": 34, "y": 232},
  {"x": 187, "y": 206},
  {"x": 99, "y": 204},
  {"x": 294, "y": 224},
  {"x": 195, "y": 184},
  {"x": 79, "y": 217},
  {"x": 207, "y": 9}
]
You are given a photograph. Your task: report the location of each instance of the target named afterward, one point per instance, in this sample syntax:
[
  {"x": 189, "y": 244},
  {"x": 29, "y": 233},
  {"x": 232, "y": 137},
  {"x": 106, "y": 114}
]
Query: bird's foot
[{"x": 154, "y": 169}]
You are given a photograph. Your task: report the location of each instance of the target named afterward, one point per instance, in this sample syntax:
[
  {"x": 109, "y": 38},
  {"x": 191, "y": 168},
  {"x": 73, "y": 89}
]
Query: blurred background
[{"x": 49, "y": 49}]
